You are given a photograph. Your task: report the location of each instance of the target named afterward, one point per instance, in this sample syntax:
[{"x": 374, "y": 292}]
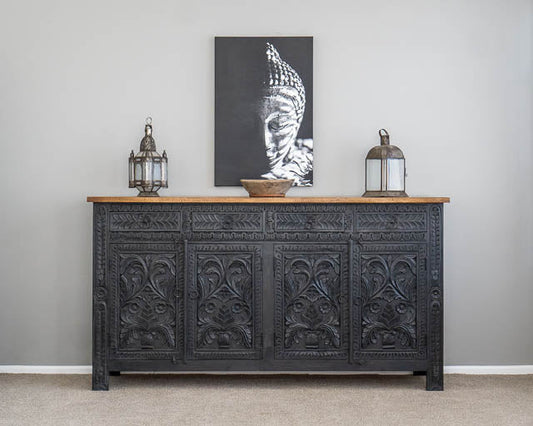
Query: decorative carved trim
[
  {"x": 144, "y": 207},
  {"x": 390, "y": 208},
  {"x": 435, "y": 239},
  {"x": 224, "y": 301},
  {"x": 226, "y": 236},
  {"x": 309, "y": 236},
  {"x": 311, "y": 301},
  {"x": 392, "y": 236},
  {"x": 144, "y": 236},
  {"x": 99, "y": 218}
]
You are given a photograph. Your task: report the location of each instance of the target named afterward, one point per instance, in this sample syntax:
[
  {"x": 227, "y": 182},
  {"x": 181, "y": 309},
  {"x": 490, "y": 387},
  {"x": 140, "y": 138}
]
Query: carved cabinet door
[
  {"x": 311, "y": 301},
  {"x": 146, "y": 301},
  {"x": 389, "y": 308},
  {"x": 224, "y": 298}
]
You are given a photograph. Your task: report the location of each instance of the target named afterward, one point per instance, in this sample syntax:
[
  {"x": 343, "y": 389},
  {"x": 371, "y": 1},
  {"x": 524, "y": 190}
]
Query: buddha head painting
[
  {"x": 281, "y": 112},
  {"x": 263, "y": 109}
]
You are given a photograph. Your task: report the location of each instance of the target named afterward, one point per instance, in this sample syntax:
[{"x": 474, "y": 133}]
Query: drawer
[
  {"x": 227, "y": 221},
  {"x": 397, "y": 221},
  {"x": 311, "y": 222},
  {"x": 145, "y": 221}
]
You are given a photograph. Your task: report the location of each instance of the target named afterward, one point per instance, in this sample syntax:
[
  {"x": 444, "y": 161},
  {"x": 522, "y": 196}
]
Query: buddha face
[{"x": 280, "y": 122}]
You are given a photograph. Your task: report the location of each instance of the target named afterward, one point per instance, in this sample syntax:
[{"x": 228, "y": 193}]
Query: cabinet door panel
[
  {"x": 389, "y": 293},
  {"x": 224, "y": 301},
  {"x": 311, "y": 309},
  {"x": 146, "y": 301}
]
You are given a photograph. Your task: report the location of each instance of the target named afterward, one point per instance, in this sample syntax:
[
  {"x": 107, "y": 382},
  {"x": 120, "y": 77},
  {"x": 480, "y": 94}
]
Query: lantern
[
  {"x": 385, "y": 170},
  {"x": 148, "y": 169}
]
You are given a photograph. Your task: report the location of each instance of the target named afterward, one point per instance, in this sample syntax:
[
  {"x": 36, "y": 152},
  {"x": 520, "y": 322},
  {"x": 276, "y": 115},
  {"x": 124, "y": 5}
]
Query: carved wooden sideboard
[{"x": 258, "y": 284}]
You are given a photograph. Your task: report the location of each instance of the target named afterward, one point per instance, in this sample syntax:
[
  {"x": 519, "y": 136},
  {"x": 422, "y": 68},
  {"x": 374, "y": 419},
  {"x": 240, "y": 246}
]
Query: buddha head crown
[{"x": 281, "y": 75}]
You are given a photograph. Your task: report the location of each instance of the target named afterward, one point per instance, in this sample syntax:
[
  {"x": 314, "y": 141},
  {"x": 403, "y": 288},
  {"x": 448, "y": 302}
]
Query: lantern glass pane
[
  {"x": 131, "y": 170},
  {"x": 396, "y": 174},
  {"x": 164, "y": 171},
  {"x": 373, "y": 175},
  {"x": 138, "y": 171},
  {"x": 147, "y": 171},
  {"x": 157, "y": 171}
]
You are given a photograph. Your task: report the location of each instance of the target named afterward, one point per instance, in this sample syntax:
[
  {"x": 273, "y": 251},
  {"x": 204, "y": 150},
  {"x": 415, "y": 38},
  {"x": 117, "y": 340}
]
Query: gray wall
[{"x": 451, "y": 80}]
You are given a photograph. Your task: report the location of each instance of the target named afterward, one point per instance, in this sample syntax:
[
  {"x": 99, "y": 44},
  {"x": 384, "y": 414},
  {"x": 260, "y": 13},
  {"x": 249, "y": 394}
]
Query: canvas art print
[{"x": 263, "y": 109}]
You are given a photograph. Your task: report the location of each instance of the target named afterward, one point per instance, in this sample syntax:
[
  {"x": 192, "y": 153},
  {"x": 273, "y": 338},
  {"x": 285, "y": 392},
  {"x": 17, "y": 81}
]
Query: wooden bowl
[{"x": 267, "y": 187}]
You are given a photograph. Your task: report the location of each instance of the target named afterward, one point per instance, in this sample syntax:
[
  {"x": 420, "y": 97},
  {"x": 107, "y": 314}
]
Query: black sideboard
[{"x": 288, "y": 284}]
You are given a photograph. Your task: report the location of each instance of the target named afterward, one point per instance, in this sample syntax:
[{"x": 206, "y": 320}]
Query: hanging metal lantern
[
  {"x": 385, "y": 170},
  {"x": 148, "y": 169}
]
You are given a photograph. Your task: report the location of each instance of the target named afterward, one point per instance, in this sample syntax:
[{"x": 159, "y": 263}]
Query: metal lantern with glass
[
  {"x": 385, "y": 170},
  {"x": 148, "y": 169}
]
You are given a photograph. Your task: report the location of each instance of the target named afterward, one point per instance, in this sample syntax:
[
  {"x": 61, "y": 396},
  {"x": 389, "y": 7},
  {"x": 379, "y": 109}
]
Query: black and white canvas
[{"x": 263, "y": 109}]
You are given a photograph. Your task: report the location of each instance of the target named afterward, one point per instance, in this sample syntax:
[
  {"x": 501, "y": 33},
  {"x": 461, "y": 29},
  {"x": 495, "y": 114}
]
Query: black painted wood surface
[{"x": 267, "y": 287}]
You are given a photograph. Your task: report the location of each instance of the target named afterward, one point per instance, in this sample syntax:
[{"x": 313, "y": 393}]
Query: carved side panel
[
  {"x": 389, "y": 301},
  {"x": 311, "y": 309},
  {"x": 147, "y": 301},
  {"x": 435, "y": 378},
  {"x": 100, "y": 376},
  {"x": 224, "y": 292}
]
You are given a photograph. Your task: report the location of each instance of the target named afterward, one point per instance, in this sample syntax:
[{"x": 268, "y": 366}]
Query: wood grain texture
[{"x": 265, "y": 200}]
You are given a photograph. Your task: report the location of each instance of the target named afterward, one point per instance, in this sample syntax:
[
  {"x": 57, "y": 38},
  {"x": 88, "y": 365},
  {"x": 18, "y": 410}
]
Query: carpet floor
[{"x": 30, "y": 399}]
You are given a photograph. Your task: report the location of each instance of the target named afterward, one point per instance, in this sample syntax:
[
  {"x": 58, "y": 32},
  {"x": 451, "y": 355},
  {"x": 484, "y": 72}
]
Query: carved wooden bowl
[{"x": 267, "y": 187}]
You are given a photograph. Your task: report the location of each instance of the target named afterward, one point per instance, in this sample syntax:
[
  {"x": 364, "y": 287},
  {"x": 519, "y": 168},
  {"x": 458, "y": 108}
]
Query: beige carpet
[{"x": 29, "y": 399}]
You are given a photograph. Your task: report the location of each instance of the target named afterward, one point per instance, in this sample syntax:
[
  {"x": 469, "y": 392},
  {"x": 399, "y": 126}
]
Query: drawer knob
[
  {"x": 311, "y": 222},
  {"x": 227, "y": 222}
]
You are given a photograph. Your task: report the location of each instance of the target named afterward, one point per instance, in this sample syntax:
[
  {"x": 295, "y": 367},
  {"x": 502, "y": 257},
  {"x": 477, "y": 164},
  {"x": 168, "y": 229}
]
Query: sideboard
[{"x": 267, "y": 284}]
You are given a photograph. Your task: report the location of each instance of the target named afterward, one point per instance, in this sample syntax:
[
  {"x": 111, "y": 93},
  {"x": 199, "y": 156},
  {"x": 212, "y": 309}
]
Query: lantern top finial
[
  {"x": 384, "y": 135},
  {"x": 148, "y": 142}
]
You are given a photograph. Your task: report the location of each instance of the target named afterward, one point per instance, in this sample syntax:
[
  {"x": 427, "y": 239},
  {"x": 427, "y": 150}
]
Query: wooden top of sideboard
[{"x": 272, "y": 200}]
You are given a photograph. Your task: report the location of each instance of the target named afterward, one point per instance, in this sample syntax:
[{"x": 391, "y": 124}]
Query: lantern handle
[
  {"x": 384, "y": 136},
  {"x": 148, "y": 126}
]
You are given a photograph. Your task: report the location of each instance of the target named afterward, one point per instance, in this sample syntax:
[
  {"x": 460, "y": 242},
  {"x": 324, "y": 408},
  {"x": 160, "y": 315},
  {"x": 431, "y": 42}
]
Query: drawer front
[
  {"x": 204, "y": 221},
  {"x": 145, "y": 221},
  {"x": 310, "y": 222},
  {"x": 399, "y": 221}
]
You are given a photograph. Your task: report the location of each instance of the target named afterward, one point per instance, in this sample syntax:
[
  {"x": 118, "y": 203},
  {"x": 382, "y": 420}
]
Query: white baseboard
[
  {"x": 46, "y": 369},
  {"x": 449, "y": 369},
  {"x": 488, "y": 369}
]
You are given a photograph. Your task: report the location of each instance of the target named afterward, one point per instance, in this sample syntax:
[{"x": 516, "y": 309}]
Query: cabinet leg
[
  {"x": 435, "y": 378},
  {"x": 100, "y": 370},
  {"x": 100, "y": 379},
  {"x": 114, "y": 373},
  {"x": 419, "y": 373}
]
